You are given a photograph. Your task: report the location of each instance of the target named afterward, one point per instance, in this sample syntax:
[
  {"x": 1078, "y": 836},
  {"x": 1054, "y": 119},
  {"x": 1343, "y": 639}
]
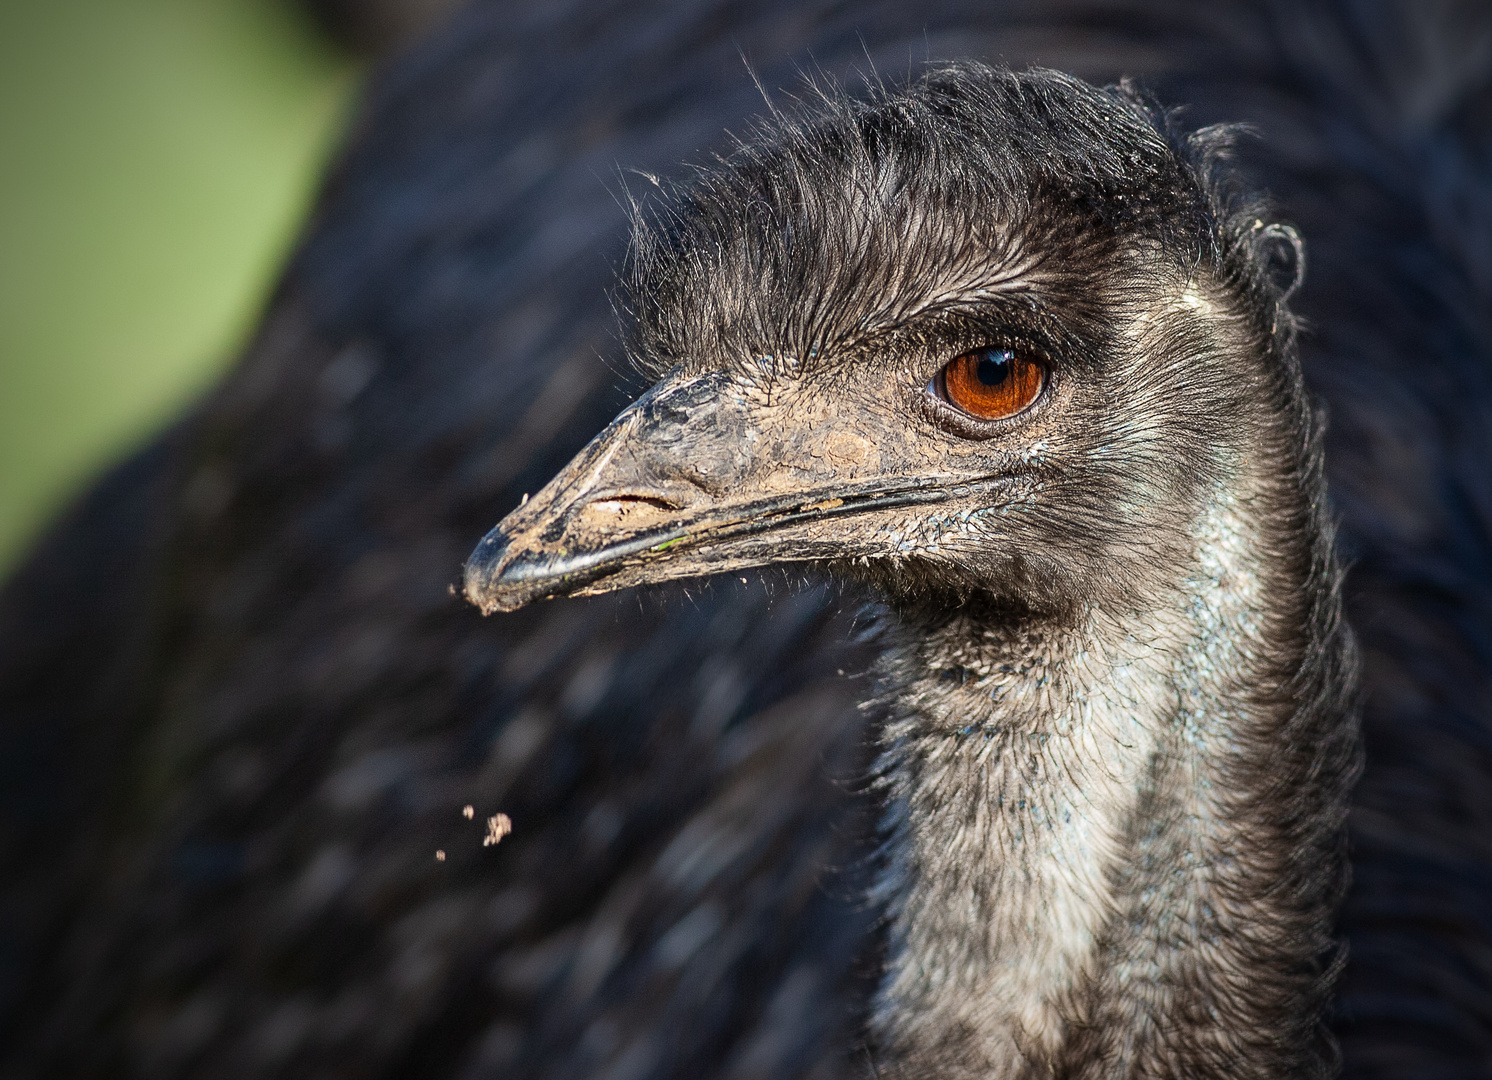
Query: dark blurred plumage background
[{"x": 240, "y": 711}]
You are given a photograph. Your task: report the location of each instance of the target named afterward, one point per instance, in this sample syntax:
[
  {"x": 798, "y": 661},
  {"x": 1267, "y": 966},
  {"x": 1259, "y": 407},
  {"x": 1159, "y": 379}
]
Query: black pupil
[{"x": 994, "y": 367}]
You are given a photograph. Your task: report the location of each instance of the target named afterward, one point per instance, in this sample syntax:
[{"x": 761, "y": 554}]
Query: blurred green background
[{"x": 156, "y": 159}]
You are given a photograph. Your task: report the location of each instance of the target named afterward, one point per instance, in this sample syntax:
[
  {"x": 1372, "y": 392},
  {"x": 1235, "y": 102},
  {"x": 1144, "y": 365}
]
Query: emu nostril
[
  {"x": 657, "y": 502},
  {"x": 628, "y": 511}
]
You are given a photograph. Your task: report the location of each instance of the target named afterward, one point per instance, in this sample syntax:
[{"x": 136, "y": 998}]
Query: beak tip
[{"x": 482, "y": 582}]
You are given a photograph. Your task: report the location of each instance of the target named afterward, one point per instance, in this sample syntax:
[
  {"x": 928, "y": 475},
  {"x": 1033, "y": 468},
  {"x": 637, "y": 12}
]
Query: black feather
[{"x": 241, "y": 711}]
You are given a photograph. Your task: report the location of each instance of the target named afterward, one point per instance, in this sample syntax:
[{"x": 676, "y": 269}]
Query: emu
[
  {"x": 1010, "y": 350},
  {"x": 241, "y": 710}
]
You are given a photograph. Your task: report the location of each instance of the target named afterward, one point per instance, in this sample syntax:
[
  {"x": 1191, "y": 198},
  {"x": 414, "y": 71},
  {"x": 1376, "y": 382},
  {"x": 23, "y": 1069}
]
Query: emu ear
[{"x": 1282, "y": 252}]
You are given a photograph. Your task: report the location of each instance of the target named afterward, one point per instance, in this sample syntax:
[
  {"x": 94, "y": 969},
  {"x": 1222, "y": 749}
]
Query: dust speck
[{"x": 498, "y": 826}]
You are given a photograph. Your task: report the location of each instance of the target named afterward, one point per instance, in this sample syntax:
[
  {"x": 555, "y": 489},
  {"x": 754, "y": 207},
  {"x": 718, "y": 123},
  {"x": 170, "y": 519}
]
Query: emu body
[
  {"x": 1119, "y": 734},
  {"x": 240, "y": 709}
]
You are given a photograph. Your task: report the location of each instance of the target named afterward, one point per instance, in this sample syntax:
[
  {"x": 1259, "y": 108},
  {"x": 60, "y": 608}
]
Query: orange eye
[{"x": 992, "y": 383}]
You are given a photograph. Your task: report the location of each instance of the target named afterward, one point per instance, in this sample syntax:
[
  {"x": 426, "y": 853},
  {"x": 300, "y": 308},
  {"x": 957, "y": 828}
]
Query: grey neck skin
[{"x": 1090, "y": 868}]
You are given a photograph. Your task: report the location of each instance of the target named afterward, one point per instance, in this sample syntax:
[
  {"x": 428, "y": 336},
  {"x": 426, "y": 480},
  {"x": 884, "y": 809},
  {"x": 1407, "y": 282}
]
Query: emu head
[{"x": 994, "y": 336}]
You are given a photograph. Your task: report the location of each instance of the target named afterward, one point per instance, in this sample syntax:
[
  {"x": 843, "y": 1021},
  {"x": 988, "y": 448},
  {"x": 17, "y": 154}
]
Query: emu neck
[{"x": 1090, "y": 869}]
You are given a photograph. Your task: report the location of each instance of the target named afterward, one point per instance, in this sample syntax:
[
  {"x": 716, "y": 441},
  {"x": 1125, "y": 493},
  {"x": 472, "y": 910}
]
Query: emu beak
[{"x": 692, "y": 479}]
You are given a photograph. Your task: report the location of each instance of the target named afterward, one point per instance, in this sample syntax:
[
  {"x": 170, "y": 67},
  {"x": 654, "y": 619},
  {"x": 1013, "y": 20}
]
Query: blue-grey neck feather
[{"x": 1113, "y": 839}]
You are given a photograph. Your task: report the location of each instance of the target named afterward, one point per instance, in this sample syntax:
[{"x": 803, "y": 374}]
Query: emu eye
[{"x": 991, "y": 383}]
